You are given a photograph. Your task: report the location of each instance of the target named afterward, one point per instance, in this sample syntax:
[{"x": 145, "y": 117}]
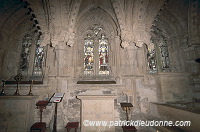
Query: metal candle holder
[
  {"x": 18, "y": 78},
  {"x": 3, "y": 88},
  {"x": 30, "y": 92}
]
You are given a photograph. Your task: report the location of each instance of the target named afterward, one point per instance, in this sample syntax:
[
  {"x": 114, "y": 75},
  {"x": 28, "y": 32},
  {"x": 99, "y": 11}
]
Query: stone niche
[
  {"x": 16, "y": 113},
  {"x": 97, "y": 108}
]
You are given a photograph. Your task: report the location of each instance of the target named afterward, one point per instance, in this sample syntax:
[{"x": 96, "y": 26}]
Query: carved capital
[
  {"x": 125, "y": 44},
  {"x": 139, "y": 43},
  {"x": 70, "y": 41}
]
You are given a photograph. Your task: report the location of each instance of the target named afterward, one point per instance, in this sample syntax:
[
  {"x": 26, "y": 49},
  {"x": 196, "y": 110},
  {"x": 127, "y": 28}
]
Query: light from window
[
  {"x": 39, "y": 57},
  {"x": 103, "y": 55},
  {"x": 25, "y": 53},
  {"x": 89, "y": 56}
]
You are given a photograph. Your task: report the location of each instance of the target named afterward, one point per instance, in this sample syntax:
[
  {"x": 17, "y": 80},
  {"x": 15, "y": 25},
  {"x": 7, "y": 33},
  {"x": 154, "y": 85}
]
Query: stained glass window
[
  {"x": 96, "y": 55},
  {"x": 31, "y": 57},
  {"x": 164, "y": 54},
  {"x": 151, "y": 57},
  {"x": 39, "y": 57},
  {"x": 25, "y": 53},
  {"x": 103, "y": 55},
  {"x": 89, "y": 56}
]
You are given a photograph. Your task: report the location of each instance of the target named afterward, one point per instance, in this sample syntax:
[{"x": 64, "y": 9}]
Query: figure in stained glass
[
  {"x": 89, "y": 55},
  {"x": 103, "y": 55},
  {"x": 25, "y": 53}
]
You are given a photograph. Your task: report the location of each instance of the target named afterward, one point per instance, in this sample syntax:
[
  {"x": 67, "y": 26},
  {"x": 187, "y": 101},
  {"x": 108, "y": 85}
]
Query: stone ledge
[
  {"x": 97, "y": 97},
  {"x": 96, "y": 82},
  {"x": 23, "y": 82},
  {"x": 19, "y": 97},
  {"x": 172, "y": 74}
]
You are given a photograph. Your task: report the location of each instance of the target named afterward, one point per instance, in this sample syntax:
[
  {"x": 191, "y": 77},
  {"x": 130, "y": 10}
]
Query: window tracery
[
  {"x": 31, "y": 57},
  {"x": 25, "y": 52},
  {"x": 89, "y": 56},
  {"x": 38, "y": 61},
  {"x": 103, "y": 55},
  {"x": 96, "y": 49},
  {"x": 151, "y": 56},
  {"x": 164, "y": 54}
]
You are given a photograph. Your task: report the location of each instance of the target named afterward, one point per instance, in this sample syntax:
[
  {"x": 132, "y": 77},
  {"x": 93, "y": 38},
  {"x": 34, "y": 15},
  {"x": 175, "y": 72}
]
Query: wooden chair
[
  {"x": 129, "y": 129},
  {"x": 40, "y": 126},
  {"x": 71, "y": 125}
]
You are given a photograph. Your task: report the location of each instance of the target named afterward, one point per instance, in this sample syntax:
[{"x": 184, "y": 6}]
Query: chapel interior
[{"x": 103, "y": 57}]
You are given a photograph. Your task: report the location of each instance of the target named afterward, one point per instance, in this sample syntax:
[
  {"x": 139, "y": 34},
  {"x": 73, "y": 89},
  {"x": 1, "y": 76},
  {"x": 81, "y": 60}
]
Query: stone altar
[
  {"x": 16, "y": 113},
  {"x": 97, "y": 108}
]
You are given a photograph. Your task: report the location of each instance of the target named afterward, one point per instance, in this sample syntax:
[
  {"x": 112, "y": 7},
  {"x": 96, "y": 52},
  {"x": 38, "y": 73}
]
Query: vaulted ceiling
[{"x": 134, "y": 18}]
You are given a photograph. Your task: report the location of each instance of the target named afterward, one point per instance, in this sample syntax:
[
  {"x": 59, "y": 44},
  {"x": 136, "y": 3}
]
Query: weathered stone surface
[{"x": 133, "y": 28}]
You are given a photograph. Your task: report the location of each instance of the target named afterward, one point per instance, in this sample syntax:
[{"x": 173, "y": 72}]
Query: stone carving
[
  {"x": 73, "y": 18},
  {"x": 119, "y": 13},
  {"x": 96, "y": 29}
]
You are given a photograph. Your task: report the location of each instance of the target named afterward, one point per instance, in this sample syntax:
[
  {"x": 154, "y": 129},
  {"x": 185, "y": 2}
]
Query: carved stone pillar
[
  {"x": 132, "y": 51},
  {"x": 64, "y": 58}
]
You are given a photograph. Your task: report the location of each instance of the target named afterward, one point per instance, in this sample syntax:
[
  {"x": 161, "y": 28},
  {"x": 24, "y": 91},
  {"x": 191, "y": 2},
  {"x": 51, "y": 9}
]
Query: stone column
[{"x": 132, "y": 60}]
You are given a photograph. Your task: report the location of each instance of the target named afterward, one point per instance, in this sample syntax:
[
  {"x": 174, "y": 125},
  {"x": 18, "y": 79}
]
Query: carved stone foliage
[{"x": 94, "y": 20}]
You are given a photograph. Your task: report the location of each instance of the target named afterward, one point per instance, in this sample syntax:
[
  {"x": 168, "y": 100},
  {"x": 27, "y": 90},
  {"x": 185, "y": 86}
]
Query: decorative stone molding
[{"x": 73, "y": 18}]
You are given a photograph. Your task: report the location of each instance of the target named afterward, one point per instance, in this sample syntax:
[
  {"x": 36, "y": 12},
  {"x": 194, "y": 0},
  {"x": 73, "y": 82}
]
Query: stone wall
[{"x": 133, "y": 28}]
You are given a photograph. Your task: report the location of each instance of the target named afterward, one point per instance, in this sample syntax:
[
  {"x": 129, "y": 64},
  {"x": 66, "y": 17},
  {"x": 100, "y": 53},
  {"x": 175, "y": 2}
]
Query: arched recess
[
  {"x": 96, "y": 22},
  {"x": 13, "y": 49},
  {"x": 168, "y": 28}
]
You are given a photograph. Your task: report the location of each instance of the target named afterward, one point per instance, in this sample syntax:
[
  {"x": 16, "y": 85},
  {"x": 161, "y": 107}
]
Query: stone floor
[{"x": 49, "y": 130}]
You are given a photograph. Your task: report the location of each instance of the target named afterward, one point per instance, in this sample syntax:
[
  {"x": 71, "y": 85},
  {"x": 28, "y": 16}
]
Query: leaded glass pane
[
  {"x": 103, "y": 56},
  {"x": 151, "y": 56},
  {"x": 25, "y": 53},
  {"x": 39, "y": 57},
  {"x": 164, "y": 54},
  {"x": 89, "y": 56}
]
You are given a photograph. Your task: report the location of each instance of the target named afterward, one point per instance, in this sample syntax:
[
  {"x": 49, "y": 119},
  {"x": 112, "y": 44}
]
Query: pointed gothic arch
[{"x": 96, "y": 22}]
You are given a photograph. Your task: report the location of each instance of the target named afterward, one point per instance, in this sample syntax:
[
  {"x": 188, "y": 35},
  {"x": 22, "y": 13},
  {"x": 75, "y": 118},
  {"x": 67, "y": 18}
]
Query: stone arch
[
  {"x": 169, "y": 26},
  {"x": 95, "y": 16}
]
